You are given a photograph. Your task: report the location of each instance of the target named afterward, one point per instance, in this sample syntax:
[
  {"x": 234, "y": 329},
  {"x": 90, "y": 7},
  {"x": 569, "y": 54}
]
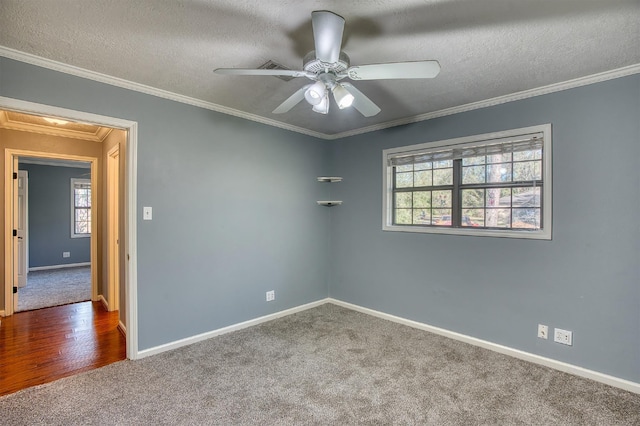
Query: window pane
[
  {"x": 498, "y": 218},
  {"x": 403, "y": 199},
  {"x": 407, "y": 168},
  {"x": 473, "y": 198},
  {"x": 422, "y": 216},
  {"x": 442, "y": 217},
  {"x": 82, "y": 215},
  {"x": 472, "y": 217},
  {"x": 501, "y": 197},
  {"x": 526, "y": 218},
  {"x": 422, "y": 166},
  {"x": 473, "y": 174},
  {"x": 82, "y": 198},
  {"x": 403, "y": 216},
  {"x": 473, "y": 161},
  {"x": 499, "y": 158},
  {"x": 491, "y": 218},
  {"x": 422, "y": 199},
  {"x": 528, "y": 170},
  {"x": 82, "y": 228},
  {"x": 526, "y": 197},
  {"x": 535, "y": 154},
  {"x": 442, "y": 164},
  {"x": 443, "y": 177},
  {"x": 422, "y": 178},
  {"x": 441, "y": 199},
  {"x": 499, "y": 173},
  {"x": 404, "y": 180},
  {"x": 498, "y": 197}
]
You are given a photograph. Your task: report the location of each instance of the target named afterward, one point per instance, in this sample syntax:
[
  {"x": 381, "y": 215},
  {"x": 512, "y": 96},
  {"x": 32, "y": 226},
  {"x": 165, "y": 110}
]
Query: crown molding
[
  {"x": 525, "y": 94},
  {"x": 125, "y": 84},
  {"x": 54, "y": 163},
  {"x": 137, "y": 87},
  {"x": 98, "y": 136}
]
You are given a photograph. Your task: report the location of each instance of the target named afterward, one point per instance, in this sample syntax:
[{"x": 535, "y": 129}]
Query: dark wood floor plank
[{"x": 43, "y": 345}]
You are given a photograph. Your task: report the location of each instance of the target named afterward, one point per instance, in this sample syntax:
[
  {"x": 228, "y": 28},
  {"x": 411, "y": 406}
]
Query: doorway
[
  {"x": 53, "y": 230},
  {"x": 12, "y": 215},
  {"x": 128, "y": 248}
]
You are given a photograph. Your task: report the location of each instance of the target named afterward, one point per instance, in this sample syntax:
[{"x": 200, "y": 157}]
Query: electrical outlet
[
  {"x": 543, "y": 331},
  {"x": 271, "y": 295},
  {"x": 66, "y": 254},
  {"x": 564, "y": 337}
]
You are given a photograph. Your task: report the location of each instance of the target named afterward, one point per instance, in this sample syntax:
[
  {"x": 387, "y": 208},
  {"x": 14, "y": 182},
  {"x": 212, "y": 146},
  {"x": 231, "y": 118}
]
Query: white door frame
[
  {"x": 113, "y": 228},
  {"x": 11, "y": 156},
  {"x": 130, "y": 224}
]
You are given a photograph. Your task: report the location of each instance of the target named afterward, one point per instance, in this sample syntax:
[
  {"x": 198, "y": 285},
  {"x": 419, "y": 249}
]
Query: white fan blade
[
  {"x": 291, "y": 101},
  {"x": 246, "y": 71},
  {"x": 327, "y": 35},
  {"x": 394, "y": 70},
  {"x": 361, "y": 102}
]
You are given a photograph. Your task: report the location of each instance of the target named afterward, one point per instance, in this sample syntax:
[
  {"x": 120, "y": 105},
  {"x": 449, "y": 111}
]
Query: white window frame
[
  {"x": 74, "y": 182},
  {"x": 540, "y": 234}
]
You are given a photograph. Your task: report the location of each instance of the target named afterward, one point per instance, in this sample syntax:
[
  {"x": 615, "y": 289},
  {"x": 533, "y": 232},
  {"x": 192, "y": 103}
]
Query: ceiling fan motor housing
[{"x": 314, "y": 65}]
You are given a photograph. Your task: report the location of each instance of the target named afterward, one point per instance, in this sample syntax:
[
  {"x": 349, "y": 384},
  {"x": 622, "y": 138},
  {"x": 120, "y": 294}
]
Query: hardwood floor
[{"x": 47, "y": 344}]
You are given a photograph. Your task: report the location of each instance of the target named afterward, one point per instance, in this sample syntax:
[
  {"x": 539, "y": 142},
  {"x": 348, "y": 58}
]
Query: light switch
[{"x": 146, "y": 213}]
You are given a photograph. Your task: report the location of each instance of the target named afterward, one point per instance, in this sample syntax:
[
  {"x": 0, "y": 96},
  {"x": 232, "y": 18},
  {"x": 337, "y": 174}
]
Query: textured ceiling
[{"x": 486, "y": 49}]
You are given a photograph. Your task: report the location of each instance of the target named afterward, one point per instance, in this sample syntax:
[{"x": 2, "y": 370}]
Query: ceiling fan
[{"x": 327, "y": 65}]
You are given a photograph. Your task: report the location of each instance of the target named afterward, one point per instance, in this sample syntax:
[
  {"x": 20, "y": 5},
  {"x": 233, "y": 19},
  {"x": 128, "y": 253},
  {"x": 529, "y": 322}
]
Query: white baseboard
[
  {"x": 122, "y": 328},
  {"x": 235, "y": 327},
  {"x": 67, "y": 265},
  {"x": 103, "y": 301},
  {"x": 516, "y": 353},
  {"x": 2, "y": 313}
]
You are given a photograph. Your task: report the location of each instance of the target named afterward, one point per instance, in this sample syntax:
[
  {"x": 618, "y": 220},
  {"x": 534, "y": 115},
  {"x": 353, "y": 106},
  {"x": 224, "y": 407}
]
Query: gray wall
[
  {"x": 585, "y": 280},
  {"x": 234, "y": 211},
  {"x": 235, "y": 216},
  {"x": 50, "y": 216}
]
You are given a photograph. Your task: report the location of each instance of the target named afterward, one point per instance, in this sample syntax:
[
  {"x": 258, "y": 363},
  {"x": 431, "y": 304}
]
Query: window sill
[{"x": 543, "y": 234}]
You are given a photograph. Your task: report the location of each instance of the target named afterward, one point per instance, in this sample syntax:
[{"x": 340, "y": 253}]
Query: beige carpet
[
  {"x": 324, "y": 366},
  {"x": 55, "y": 287}
]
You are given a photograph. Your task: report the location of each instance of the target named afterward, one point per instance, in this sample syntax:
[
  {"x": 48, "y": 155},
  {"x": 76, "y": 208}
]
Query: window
[
  {"x": 495, "y": 184},
  {"x": 80, "y": 208}
]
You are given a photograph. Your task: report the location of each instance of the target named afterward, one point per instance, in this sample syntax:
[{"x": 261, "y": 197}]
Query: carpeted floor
[
  {"x": 329, "y": 366},
  {"x": 55, "y": 287}
]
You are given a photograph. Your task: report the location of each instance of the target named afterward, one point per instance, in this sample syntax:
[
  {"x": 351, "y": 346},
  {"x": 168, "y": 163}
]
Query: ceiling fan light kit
[
  {"x": 342, "y": 97},
  {"x": 327, "y": 65},
  {"x": 323, "y": 106},
  {"x": 315, "y": 93}
]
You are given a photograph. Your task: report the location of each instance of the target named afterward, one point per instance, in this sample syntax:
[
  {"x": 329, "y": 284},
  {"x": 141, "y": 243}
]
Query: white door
[{"x": 23, "y": 253}]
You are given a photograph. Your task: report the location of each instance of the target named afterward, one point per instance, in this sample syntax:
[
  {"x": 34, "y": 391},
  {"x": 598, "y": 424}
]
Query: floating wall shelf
[{"x": 329, "y": 179}]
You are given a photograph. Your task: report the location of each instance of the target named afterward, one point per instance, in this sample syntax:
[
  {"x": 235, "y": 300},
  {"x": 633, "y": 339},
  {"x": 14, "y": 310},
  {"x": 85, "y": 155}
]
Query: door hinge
[
  {"x": 15, "y": 290},
  {"x": 15, "y": 175},
  {"x": 15, "y": 232}
]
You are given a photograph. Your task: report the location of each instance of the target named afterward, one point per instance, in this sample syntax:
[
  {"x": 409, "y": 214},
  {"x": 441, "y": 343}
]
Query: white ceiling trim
[
  {"x": 54, "y": 163},
  {"x": 544, "y": 90},
  {"x": 51, "y": 130},
  {"x": 137, "y": 87},
  {"x": 115, "y": 81}
]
